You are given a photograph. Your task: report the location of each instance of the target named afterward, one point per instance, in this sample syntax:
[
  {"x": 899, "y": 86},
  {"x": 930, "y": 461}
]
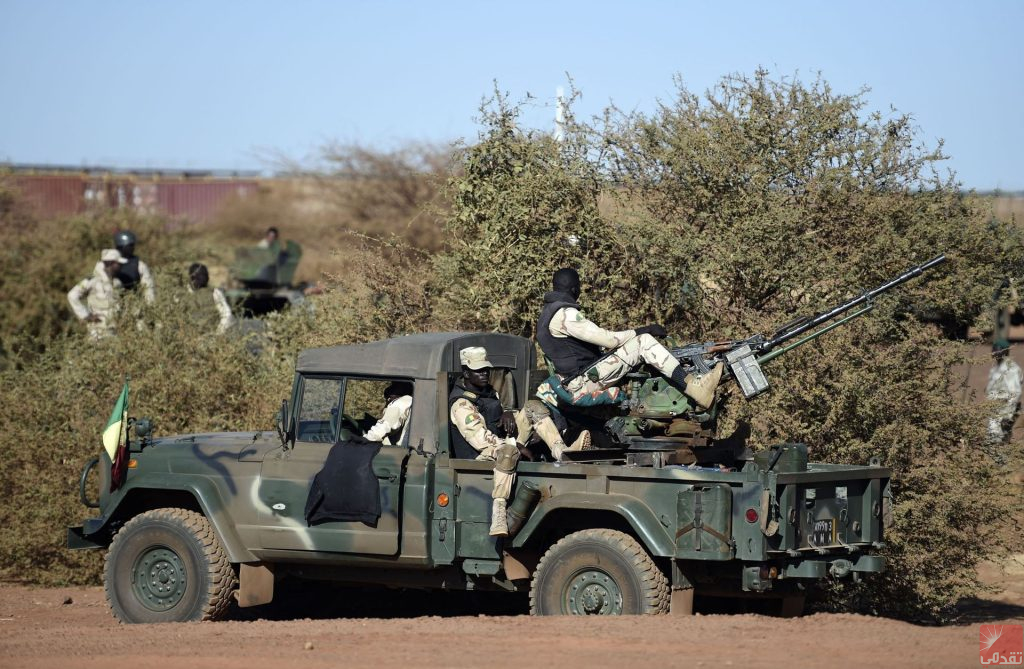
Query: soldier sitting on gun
[
  {"x": 589, "y": 361},
  {"x": 484, "y": 430}
]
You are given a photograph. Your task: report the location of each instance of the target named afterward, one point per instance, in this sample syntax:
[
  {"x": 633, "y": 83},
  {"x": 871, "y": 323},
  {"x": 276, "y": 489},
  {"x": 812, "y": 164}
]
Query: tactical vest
[
  {"x": 202, "y": 310},
  {"x": 569, "y": 355},
  {"x": 489, "y": 407},
  {"x": 129, "y": 273}
]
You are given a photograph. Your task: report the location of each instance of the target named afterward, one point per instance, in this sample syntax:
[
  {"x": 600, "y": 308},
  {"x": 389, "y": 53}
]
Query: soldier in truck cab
[
  {"x": 589, "y": 361},
  {"x": 394, "y": 422}
]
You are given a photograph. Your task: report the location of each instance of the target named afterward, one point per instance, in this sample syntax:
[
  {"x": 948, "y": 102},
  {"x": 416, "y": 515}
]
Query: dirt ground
[{"x": 71, "y": 627}]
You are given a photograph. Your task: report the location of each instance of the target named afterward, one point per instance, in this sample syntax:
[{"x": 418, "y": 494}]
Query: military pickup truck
[{"x": 202, "y": 520}]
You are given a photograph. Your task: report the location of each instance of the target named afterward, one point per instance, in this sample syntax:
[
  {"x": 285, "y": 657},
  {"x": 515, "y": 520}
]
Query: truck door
[{"x": 327, "y": 408}]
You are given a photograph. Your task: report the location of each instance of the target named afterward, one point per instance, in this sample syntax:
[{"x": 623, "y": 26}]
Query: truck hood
[{"x": 241, "y": 445}]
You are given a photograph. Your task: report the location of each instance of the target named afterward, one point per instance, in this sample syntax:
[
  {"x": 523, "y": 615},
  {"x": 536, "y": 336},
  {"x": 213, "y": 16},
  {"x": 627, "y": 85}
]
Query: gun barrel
[{"x": 867, "y": 296}]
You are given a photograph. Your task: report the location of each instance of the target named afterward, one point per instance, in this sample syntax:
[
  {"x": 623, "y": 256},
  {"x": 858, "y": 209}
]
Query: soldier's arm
[
  {"x": 470, "y": 424},
  {"x": 393, "y": 419},
  {"x": 146, "y": 279},
  {"x": 75, "y": 297},
  {"x": 227, "y": 319},
  {"x": 574, "y": 324}
]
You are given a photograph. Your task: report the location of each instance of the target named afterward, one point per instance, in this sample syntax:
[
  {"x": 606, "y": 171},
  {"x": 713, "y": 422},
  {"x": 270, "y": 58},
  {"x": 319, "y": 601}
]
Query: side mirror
[{"x": 284, "y": 423}]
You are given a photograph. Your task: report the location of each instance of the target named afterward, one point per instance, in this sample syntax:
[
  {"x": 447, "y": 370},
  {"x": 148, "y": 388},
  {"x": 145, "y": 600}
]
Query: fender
[
  {"x": 210, "y": 500},
  {"x": 639, "y": 516}
]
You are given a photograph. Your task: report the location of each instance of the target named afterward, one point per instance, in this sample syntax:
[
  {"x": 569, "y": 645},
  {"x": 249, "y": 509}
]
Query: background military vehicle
[
  {"x": 261, "y": 279},
  {"x": 199, "y": 519}
]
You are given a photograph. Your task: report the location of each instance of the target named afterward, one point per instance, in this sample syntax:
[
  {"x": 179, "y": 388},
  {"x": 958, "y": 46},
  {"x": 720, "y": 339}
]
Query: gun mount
[{"x": 657, "y": 418}]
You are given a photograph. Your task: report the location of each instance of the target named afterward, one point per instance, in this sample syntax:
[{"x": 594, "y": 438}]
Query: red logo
[{"x": 1002, "y": 645}]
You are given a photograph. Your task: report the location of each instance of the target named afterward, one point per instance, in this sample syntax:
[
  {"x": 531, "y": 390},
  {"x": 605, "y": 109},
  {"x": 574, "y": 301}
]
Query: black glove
[{"x": 653, "y": 329}]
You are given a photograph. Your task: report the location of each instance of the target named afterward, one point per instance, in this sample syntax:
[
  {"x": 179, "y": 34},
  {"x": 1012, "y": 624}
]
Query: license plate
[{"x": 824, "y": 532}]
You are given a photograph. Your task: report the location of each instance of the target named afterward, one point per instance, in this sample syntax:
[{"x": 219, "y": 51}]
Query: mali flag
[{"x": 115, "y": 438}]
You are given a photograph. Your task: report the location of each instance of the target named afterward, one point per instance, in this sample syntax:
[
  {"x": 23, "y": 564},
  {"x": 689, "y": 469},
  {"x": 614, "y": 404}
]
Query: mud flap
[{"x": 255, "y": 584}]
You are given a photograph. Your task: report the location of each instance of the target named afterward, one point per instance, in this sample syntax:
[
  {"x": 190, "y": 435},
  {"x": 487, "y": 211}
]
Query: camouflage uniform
[
  {"x": 209, "y": 306},
  {"x": 395, "y": 418},
  {"x": 1004, "y": 387},
  {"x": 100, "y": 293},
  {"x": 535, "y": 418},
  {"x": 502, "y": 450},
  {"x": 626, "y": 351}
]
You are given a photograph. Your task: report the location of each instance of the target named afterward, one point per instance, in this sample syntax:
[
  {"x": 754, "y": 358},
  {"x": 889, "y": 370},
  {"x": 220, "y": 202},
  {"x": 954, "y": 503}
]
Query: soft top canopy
[{"x": 419, "y": 356}]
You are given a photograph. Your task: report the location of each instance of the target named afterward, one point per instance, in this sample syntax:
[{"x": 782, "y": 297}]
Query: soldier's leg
[
  {"x": 609, "y": 370},
  {"x": 506, "y": 457}
]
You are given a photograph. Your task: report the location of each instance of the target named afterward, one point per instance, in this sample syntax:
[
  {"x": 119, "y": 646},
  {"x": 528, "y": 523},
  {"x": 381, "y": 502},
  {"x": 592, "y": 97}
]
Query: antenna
[{"x": 559, "y": 114}]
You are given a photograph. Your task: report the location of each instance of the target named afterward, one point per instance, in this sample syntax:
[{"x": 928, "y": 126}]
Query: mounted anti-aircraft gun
[{"x": 659, "y": 418}]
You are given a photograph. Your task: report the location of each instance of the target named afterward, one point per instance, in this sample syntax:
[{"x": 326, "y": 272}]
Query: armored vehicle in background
[
  {"x": 195, "y": 521},
  {"x": 261, "y": 279}
]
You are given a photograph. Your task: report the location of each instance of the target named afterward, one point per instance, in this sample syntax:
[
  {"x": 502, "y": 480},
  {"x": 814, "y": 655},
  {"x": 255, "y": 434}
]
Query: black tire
[
  {"x": 598, "y": 572},
  {"x": 167, "y": 565}
]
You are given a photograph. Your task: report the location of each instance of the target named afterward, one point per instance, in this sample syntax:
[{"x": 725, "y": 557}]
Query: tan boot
[
  {"x": 584, "y": 442},
  {"x": 701, "y": 389},
  {"x": 545, "y": 427},
  {"x": 499, "y": 524}
]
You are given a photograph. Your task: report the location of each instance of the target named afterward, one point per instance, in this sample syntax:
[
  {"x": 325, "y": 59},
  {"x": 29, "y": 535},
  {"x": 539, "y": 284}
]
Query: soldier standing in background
[
  {"x": 207, "y": 306},
  {"x": 270, "y": 238},
  {"x": 133, "y": 272},
  {"x": 1004, "y": 387},
  {"x": 99, "y": 293}
]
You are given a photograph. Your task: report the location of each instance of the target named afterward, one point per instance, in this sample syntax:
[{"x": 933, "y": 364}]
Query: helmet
[{"x": 123, "y": 239}]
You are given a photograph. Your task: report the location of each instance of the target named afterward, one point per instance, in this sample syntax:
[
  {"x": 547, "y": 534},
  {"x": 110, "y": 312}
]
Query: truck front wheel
[
  {"x": 598, "y": 572},
  {"x": 167, "y": 565}
]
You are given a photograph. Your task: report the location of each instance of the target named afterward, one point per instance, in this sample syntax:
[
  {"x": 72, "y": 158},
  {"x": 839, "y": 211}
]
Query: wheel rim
[
  {"x": 592, "y": 592},
  {"x": 159, "y": 579}
]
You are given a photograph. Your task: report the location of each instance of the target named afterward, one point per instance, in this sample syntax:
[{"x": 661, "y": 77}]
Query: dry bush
[
  {"x": 384, "y": 193},
  {"x": 186, "y": 381},
  {"x": 358, "y": 193},
  {"x": 1009, "y": 208},
  {"x": 40, "y": 261}
]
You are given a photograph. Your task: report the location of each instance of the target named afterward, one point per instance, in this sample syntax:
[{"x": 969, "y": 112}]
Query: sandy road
[{"x": 71, "y": 627}]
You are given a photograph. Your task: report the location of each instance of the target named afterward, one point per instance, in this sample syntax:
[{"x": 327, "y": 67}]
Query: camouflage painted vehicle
[
  {"x": 261, "y": 279},
  {"x": 201, "y": 520}
]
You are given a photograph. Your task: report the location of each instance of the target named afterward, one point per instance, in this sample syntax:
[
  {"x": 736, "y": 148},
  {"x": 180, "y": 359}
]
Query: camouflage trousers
[
  {"x": 505, "y": 457},
  {"x": 535, "y": 418},
  {"x": 603, "y": 376}
]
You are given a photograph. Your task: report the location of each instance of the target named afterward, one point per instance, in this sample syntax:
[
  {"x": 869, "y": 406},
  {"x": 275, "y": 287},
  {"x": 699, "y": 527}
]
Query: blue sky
[{"x": 226, "y": 84}]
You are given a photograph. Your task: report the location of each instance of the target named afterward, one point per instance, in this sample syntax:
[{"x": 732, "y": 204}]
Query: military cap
[
  {"x": 474, "y": 357},
  {"x": 112, "y": 255}
]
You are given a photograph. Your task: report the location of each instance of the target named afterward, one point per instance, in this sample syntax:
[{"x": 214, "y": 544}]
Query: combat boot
[
  {"x": 499, "y": 524},
  {"x": 584, "y": 442},
  {"x": 701, "y": 389},
  {"x": 550, "y": 435}
]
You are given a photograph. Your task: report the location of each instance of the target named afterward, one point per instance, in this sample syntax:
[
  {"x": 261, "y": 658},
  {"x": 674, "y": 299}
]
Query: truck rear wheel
[
  {"x": 598, "y": 572},
  {"x": 167, "y": 565}
]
